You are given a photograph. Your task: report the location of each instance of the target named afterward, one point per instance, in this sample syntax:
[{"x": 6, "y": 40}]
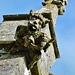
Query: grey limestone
[
  {"x": 14, "y": 66},
  {"x": 8, "y": 30}
]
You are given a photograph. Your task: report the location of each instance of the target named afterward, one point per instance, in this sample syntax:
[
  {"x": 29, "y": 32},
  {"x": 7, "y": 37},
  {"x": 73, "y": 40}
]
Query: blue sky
[{"x": 65, "y": 31}]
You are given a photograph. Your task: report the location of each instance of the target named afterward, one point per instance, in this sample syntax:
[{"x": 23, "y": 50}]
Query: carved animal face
[{"x": 34, "y": 28}]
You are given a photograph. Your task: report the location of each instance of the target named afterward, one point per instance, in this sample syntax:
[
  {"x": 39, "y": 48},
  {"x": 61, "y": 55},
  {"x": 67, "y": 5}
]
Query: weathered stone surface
[
  {"x": 48, "y": 58},
  {"x": 8, "y": 29},
  {"x": 16, "y": 66},
  {"x": 50, "y": 8}
]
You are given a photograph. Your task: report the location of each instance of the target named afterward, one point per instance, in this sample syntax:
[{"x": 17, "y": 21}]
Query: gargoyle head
[{"x": 34, "y": 28}]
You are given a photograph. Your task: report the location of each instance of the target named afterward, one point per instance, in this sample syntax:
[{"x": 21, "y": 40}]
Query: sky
[{"x": 65, "y": 31}]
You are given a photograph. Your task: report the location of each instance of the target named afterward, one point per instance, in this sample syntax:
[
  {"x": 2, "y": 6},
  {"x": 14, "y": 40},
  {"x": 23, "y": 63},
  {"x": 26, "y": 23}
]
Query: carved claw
[{"x": 48, "y": 44}]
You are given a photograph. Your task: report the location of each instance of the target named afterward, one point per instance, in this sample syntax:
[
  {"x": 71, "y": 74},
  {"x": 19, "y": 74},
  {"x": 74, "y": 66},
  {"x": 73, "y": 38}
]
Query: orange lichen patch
[{"x": 49, "y": 4}]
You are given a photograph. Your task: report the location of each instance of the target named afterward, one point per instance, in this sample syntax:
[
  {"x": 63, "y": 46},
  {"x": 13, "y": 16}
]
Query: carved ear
[
  {"x": 31, "y": 12},
  {"x": 47, "y": 21}
]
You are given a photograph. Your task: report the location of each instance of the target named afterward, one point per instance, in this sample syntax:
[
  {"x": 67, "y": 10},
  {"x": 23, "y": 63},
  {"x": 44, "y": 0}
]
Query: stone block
[{"x": 15, "y": 66}]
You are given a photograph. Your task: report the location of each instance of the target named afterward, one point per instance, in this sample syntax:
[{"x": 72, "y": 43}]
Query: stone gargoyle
[{"x": 30, "y": 40}]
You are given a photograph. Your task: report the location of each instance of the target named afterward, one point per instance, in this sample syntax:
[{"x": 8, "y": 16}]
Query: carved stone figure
[{"x": 30, "y": 38}]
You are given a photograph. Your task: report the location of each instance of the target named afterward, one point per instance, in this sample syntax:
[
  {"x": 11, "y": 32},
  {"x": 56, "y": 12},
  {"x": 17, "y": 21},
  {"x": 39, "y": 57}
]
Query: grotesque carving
[{"x": 31, "y": 40}]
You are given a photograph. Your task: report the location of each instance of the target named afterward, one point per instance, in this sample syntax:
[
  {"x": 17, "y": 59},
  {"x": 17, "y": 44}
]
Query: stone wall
[{"x": 15, "y": 66}]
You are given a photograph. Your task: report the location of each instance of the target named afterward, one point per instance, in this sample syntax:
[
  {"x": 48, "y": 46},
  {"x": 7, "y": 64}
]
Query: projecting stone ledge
[{"x": 14, "y": 66}]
